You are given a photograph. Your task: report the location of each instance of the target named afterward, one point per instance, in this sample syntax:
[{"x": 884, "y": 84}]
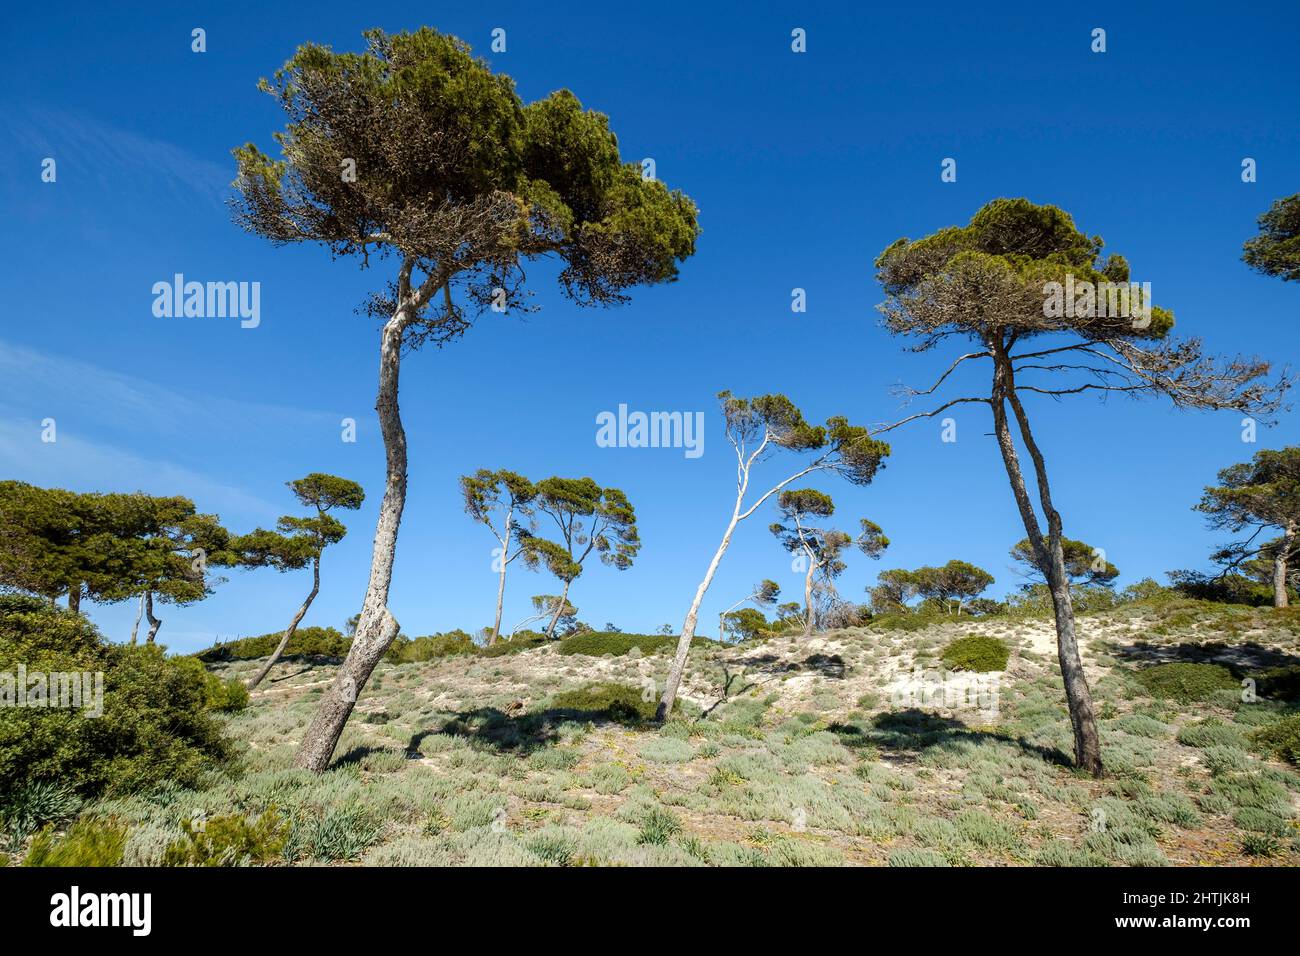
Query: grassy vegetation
[{"x": 785, "y": 753}]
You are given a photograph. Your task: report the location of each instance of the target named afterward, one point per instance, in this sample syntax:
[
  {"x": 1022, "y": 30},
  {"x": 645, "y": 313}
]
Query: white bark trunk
[
  {"x": 376, "y": 627},
  {"x": 688, "y": 628},
  {"x": 501, "y": 585},
  {"x": 291, "y": 629}
]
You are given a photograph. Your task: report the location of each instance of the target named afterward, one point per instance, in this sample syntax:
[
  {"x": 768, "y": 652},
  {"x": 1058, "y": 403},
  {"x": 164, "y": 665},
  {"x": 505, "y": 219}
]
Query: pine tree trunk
[
  {"x": 74, "y": 598},
  {"x": 1280, "y": 597},
  {"x": 292, "y": 628},
  {"x": 154, "y": 623},
  {"x": 139, "y": 613},
  {"x": 501, "y": 585},
  {"x": 377, "y": 627},
  {"x": 688, "y": 629},
  {"x": 1050, "y": 557},
  {"x": 807, "y": 599},
  {"x": 555, "y": 618}
]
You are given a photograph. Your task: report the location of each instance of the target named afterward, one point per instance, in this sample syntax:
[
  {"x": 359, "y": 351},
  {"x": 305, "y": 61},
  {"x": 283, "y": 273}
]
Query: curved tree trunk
[
  {"x": 292, "y": 628},
  {"x": 555, "y": 618},
  {"x": 154, "y": 623},
  {"x": 501, "y": 585},
  {"x": 377, "y": 627},
  {"x": 1050, "y": 557},
  {"x": 1280, "y": 597},
  {"x": 688, "y": 629}
]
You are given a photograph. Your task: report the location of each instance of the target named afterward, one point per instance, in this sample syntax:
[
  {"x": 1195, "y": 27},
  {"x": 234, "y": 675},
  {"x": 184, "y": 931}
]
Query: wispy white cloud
[
  {"x": 117, "y": 157},
  {"x": 30, "y": 379},
  {"x": 85, "y": 465},
  {"x": 121, "y": 432}
]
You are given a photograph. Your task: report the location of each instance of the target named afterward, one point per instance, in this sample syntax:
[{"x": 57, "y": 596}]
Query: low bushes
[
  {"x": 977, "y": 653},
  {"x": 88, "y": 842},
  {"x": 306, "y": 641},
  {"x": 1281, "y": 739},
  {"x": 406, "y": 650},
  {"x": 155, "y": 725},
  {"x": 230, "y": 840},
  {"x": 1186, "y": 682},
  {"x": 618, "y": 702},
  {"x": 600, "y": 643}
]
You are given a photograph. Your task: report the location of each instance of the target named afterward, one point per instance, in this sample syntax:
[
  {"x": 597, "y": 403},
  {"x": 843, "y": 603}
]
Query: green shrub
[
  {"x": 1186, "y": 682},
  {"x": 600, "y": 643},
  {"x": 306, "y": 642},
  {"x": 154, "y": 727},
  {"x": 917, "y": 857},
  {"x": 229, "y": 841},
  {"x": 1280, "y": 739},
  {"x": 32, "y": 805},
  {"x": 88, "y": 842},
  {"x": 977, "y": 653},
  {"x": 1259, "y": 844},
  {"x": 658, "y": 826},
  {"x": 340, "y": 834},
  {"x": 517, "y": 642},
  {"x": 405, "y": 650},
  {"x": 1279, "y": 683},
  {"x": 1211, "y": 733},
  {"x": 617, "y": 702}
]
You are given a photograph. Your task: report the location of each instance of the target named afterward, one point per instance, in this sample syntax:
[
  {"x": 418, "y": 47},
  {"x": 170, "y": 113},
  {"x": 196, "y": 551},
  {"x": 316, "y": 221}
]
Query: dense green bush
[
  {"x": 617, "y": 702},
  {"x": 306, "y": 641},
  {"x": 154, "y": 728},
  {"x": 229, "y": 840},
  {"x": 519, "y": 641},
  {"x": 1281, "y": 739},
  {"x": 978, "y": 653},
  {"x": 88, "y": 842},
  {"x": 406, "y": 650},
  {"x": 600, "y": 643},
  {"x": 1279, "y": 683},
  {"x": 1186, "y": 682}
]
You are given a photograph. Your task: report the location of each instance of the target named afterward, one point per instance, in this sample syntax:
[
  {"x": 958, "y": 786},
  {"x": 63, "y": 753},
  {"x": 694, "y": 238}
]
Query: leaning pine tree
[
  {"x": 415, "y": 150},
  {"x": 298, "y": 542},
  {"x": 1002, "y": 280},
  {"x": 756, "y": 427}
]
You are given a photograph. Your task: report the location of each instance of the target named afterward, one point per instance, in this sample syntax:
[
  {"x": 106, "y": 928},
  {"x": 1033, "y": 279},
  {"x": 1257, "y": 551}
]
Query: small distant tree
[
  {"x": 820, "y": 548},
  {"x": 745, "y": 624},
  {"x": 789, "y": 616},
  {"x": 414, "y": 152},
  {"x": 1001, "y": 281},
  {"x": 1258, "y": 495},
  {"x": 764, "y": 594},
  {"x": 756, "y": 427},
  {"x": 1085, "y": 566},
  {"x": 953, "y": 585},
  {"x": 894, "y": 589},
  {"x": 548, "y": 606},
  {"x": 1276, "y": 250},
  {"x": 665, "y": 629},
  {"x": 496, "y": 500},
  {"x": 298, "y": 542},
  {"x": 590, "y": 519}
]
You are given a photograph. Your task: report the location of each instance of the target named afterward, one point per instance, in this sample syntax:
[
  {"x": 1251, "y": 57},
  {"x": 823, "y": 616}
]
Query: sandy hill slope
[{"x": 853, "y": 747}]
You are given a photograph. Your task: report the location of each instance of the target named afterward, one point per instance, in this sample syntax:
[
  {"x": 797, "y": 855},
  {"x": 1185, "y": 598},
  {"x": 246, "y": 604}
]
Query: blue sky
[{"x": 804, "y": 167}]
